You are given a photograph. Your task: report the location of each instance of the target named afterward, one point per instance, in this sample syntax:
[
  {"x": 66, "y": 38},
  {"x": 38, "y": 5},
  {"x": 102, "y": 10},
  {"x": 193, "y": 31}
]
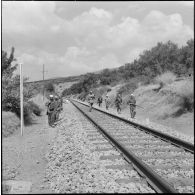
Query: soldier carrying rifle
[
  {"x": 132, "y": 104},
  {"x": 51, "y": 110},
  {"x": 99, "y": 101},
  {"x": 91, "y": 98},
  {"x": 118, "y": 102},
  {"x": 107, "y": 102}
]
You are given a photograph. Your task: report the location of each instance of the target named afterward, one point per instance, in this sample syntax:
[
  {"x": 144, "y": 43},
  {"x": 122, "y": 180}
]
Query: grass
[
  {"x": 30, "y": 108},
  {"x": 184, "y": 90},
  {"x": 164, "y": 79},
  {"x": 10, "y": 123},
  {"x": 165, "y": 97}
]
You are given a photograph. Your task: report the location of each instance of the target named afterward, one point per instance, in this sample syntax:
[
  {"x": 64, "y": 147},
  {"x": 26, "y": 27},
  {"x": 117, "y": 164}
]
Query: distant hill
[{"x": 58, "y": 80}]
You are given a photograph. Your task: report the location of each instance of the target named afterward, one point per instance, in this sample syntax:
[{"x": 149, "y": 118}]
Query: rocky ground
[
  {"x": 146, "y": 121},
  {"x": 74, "y": 168},
  {"x": 60, "y": 160}
]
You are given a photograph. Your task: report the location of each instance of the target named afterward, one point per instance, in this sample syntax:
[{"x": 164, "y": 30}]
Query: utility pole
[
  {"x": 43, "y": 80},
  {"x": 21, "y": 99}
]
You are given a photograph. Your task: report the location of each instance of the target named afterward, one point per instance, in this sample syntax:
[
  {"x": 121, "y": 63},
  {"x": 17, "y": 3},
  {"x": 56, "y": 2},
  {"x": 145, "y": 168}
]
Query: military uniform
[
  {"x": 51, "y": 112},
  {"x": 99, "y": 101},
  {"x": 57, "y": 109},
  {"x": 132, "y": 104},
  {"x": 91, "y": 99},
  {"x": 118, "y": 103},
  {"x": 107, "y": 102}
]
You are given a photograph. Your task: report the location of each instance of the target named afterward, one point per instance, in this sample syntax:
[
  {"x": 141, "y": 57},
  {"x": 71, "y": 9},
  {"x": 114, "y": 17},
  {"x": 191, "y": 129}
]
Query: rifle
[{"x": 136, "y": 105}]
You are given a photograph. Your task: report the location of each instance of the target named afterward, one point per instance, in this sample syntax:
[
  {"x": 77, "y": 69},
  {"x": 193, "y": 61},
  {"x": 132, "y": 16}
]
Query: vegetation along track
[{"x": 166, "y": 162}]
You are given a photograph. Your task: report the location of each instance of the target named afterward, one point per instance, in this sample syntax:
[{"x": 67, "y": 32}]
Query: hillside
[
  {"x": 161, "y": 79},
  {"x": 58, "y": 80},
  {"x": 158, "y": 78},
  {"x": 167, "y": 106}
]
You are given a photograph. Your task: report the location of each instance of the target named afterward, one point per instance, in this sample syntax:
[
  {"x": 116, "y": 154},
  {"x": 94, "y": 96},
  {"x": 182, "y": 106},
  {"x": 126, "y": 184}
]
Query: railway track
[{"x": 167, "y": 163}]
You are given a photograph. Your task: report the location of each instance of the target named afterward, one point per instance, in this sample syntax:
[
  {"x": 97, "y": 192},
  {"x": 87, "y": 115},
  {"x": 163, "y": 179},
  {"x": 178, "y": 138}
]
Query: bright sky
[{"x": 73, "y": 38}]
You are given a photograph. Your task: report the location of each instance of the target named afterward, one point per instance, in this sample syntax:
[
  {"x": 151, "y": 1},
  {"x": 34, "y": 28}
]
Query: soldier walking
[
  {"x": 118, "y": 102},
  {"x": 107, "y": 102},
  {"x": 99, "y": 101},
  {"x": 132, "y": 104},
  {"x": 51, "y": 110},
  {"x": 91, "y": 99}
]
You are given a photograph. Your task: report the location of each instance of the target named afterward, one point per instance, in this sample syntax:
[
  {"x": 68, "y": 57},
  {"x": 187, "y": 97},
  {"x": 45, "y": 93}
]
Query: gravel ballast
[
  {"x": 74, "y": 168},
  {"x": 179, "y": 167},
  {"x": 158, "y": 127}
]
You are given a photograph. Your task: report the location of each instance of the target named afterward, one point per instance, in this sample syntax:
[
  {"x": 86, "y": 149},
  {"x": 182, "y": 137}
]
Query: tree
[
  {"x": 7, "y": 66},
  {"x": 11, "y": 86}
]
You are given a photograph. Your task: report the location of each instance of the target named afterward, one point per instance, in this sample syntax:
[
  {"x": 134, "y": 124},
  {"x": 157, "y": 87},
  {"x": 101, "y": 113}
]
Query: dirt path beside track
[{"x": 23, "y": 157}]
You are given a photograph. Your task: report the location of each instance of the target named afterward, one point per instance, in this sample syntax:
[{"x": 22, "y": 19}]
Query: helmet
[
  {"x": 132, "y": 95},
  {"x": 51, "y": 96}
]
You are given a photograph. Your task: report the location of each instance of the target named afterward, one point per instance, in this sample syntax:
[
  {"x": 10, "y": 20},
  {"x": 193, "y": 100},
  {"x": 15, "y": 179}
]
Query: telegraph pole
[
  {"x": 43, "y": 79},
  {"x": 21, "y": 100}
]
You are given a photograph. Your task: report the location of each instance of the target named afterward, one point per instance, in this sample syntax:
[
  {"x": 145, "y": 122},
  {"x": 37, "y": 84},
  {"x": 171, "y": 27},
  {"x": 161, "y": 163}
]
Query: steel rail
[
  {"x": 168, "y": 138},
  {"x": 158, "y": 184}
]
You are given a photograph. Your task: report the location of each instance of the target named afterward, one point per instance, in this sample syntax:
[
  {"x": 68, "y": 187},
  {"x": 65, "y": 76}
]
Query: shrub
[
  {"x": 49, "y": 87},
  {"x": 128, "y": 88},
  {"x": 181, "y": 95},
  {"x": 83, "y": 95},
  {"x": 166, "y": 78},
  {"x": 27, "y": 114},
  {"x": 109, "y": 89},
  {"x": 185, "y": 90},
  {"x": 12, "y": 104},
  {"x": 35, "y": 108}
]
